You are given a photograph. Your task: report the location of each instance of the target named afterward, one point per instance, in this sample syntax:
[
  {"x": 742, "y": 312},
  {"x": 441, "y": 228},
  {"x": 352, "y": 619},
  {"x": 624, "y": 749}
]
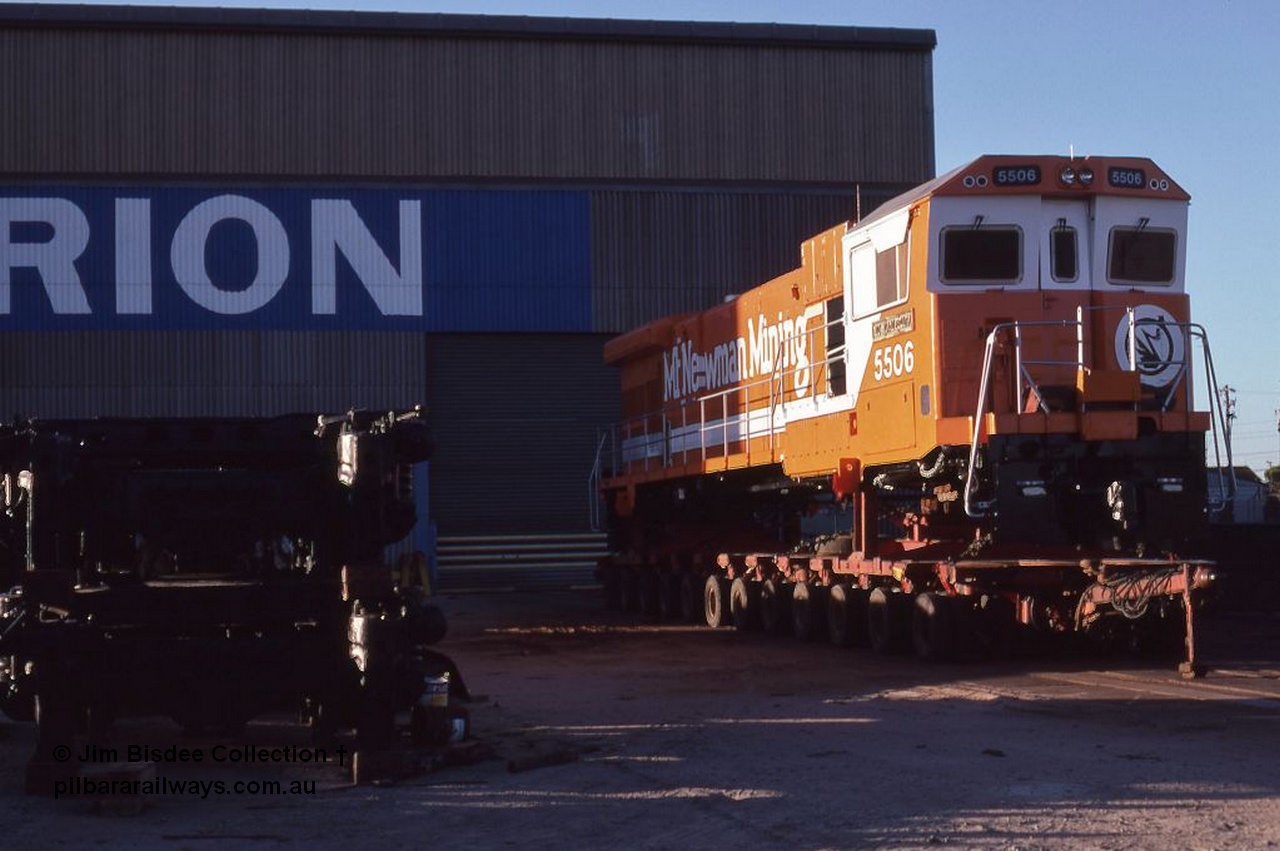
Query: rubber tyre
[
  {"x": 669, "y": 606},
  {"x": 933, "y": 627},
  {"x": 21, "y": 707},
  {"x": 888, "y": 629},
  {"x": 809, "y": 611},
  {"x": 611, "y": 582},
  {"x": 846, "y": 615},
  {"x": 651, "y": 592},
  {"x": 629, "y": 589},
  {"x": 744, "y": 604},
  {"x": 691, "y": 598},
  {"x": 775, "y": 607},
  {"x": 715, "y": 602},
  {"x": 996, "y": 627}
]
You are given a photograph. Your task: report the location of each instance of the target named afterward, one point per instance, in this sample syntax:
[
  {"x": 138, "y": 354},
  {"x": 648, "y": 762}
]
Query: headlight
[{"x": 1033, "y": 488}]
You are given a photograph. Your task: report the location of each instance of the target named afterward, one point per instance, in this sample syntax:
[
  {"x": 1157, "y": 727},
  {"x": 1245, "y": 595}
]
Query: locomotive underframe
[{"x": 1082, "y": 537}]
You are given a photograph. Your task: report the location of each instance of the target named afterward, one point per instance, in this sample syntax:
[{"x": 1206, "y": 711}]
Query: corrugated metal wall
[
  {"x": 207, "y": 373},
  {"x": 302, "y": 104},
  {"x": 658, "y": 253},
  {"x": 515, "y": 419}
]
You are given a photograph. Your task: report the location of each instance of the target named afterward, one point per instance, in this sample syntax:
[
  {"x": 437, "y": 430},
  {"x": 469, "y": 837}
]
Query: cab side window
[
  {"x": 835, "y": 347},
  {"x": 879, "y": 277}
]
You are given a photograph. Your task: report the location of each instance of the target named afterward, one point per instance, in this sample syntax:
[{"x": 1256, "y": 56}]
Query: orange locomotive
[{"x": 970, "y": 410}]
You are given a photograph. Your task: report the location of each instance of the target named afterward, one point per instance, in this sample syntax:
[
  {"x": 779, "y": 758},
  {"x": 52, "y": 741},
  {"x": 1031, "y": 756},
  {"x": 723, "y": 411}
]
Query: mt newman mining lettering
[{"x": 783, "y": 345}]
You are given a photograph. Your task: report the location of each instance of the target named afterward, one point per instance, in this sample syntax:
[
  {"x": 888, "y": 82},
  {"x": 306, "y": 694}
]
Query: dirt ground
[{"x": 640, "y": 735}]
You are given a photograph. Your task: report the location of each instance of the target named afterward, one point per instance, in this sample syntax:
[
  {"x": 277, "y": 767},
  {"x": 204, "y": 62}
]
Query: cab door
[{"x": 1065, "y": 285}]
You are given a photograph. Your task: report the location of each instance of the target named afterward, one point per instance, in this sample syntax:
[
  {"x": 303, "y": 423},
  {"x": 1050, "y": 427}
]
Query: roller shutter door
[{"x": 515, "y": 419}]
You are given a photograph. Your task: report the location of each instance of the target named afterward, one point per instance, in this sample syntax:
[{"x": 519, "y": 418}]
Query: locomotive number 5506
[{"x": 895, "y": 360}]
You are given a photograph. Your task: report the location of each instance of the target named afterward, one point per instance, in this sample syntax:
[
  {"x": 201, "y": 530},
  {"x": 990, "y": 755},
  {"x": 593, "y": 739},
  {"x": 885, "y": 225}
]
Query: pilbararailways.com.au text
[{"x": 74, "y": 787}]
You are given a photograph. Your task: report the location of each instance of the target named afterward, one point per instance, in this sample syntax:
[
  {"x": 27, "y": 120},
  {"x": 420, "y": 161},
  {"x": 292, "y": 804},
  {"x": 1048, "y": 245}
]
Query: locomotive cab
[{"x": 1085, "y": 433}]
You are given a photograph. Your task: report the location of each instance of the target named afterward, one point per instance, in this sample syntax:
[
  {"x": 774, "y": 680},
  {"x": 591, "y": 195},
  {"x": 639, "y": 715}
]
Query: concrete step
[{"x": 496, "y": 563}]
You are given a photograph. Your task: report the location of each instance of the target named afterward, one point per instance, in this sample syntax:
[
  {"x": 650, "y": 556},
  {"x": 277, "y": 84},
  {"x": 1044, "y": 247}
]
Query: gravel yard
[{"x": 635, "y": 735}]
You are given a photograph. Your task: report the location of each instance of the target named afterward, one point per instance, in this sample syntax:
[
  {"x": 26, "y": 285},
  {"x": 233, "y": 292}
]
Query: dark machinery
[{"x": 211, "y": 570}]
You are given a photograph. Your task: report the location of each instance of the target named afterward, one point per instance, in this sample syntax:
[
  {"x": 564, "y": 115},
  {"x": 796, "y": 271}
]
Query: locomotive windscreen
[
  {"x": 1142, "y": 255},
  {"x": 981, "y": 254}
]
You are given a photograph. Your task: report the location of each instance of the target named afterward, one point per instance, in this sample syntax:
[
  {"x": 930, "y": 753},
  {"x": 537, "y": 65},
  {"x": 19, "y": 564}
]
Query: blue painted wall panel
[{"x": 176, "y": 258}]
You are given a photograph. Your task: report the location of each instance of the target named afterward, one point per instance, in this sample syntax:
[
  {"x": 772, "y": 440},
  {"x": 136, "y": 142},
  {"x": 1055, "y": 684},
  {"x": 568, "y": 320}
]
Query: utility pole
[
  {"x": 1228, "y": 394},
  {"x": 1278, "y": 425}
]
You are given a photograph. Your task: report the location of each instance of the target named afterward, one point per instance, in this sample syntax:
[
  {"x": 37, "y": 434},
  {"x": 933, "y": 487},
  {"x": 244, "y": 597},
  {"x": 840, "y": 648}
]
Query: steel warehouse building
[{"x": 224, "y": 212}]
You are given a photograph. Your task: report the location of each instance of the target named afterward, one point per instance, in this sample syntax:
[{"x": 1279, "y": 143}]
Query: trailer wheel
[
  {"x": 669, "y": 606},
  {"x": 996, "y": 626},
  {"x": 56, "y": 717},
  {"x": 611, "y": 581},
  {"x": 691, "y": 599},
  {"x": 19, "y": 707},
  {"x": 933, "y": 627},
  {"x": 775, "y": 607},
  {"x": 744, "y": 603},
  {"x": 715, "y": 601},
  {"x": 888, "y": 628},
  {"x": 651, "y": 592},
  {"x": 808, "y": 610},
  {"x": 846, "y": 614},
  {"x": 629, "y": 589}
]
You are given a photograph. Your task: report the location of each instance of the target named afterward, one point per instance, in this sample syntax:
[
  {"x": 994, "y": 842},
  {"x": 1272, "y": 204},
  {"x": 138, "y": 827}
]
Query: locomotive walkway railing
[
  {"x": 1024, "y": 383},
  {"x": 710, "y": 425}
]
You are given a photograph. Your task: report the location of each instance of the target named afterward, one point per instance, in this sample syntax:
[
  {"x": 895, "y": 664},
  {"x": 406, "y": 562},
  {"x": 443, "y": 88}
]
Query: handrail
[
  {"x": 1191, "y": 331},
  {"x": 1195, "y": 329},
  {"x": 661, "y": 445},
  {"x": 979, "y": 509},
  {"x": 593, "y": 485}
]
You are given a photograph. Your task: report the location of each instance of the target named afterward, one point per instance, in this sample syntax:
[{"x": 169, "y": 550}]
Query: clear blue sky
[{"x": 1193, "y": 85}]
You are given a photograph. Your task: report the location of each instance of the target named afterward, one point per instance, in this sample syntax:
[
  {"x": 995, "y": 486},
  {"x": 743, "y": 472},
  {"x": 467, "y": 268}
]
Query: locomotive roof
[
  {"x": 985, "y": 176},
  {"x": 906, "y": 199},
  {"x": 1155, "y": 182}
]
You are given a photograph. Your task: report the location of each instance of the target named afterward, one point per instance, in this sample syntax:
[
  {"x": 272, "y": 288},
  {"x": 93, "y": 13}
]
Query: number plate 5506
[{"x": 895, "y": 360}]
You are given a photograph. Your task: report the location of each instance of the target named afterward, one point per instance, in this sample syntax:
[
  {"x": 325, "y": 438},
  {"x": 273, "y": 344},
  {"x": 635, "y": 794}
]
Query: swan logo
[{"x": 1159, "y": 345}]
